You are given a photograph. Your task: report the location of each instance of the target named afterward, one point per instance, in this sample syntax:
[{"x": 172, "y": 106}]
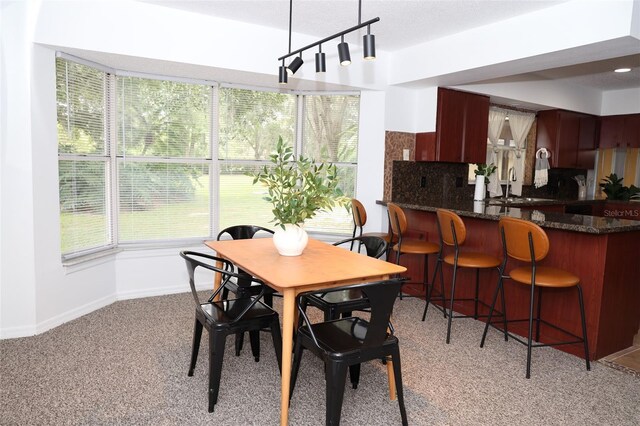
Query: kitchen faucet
[{"x": 510, "y": 173}]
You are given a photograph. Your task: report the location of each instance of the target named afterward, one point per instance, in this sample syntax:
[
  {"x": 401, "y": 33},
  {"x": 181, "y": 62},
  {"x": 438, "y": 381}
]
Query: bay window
[{"x": 154, "y": 160}]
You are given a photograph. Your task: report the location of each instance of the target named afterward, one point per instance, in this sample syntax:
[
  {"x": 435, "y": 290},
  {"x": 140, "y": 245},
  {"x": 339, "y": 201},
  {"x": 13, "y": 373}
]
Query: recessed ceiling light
[{"x": 623, "y": 70}]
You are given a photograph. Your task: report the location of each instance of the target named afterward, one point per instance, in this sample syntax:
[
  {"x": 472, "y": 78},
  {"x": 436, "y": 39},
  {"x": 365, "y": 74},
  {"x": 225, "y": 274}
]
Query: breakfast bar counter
[{"x": 603, "y": 251}]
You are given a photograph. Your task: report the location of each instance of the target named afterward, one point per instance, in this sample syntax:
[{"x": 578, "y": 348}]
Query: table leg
[
  {"x": 288, "y": 318},
  {"x": 392, "y": 380}
]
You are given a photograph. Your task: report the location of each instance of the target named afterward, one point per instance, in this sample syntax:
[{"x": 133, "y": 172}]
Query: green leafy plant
[
  {"x": 612, "y": 186},
  {"x": 299, "y": 187},
  {"x": 485, "y": 170}
]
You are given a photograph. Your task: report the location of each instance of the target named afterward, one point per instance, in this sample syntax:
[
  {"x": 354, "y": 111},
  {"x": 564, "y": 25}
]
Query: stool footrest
[{"x": 547, "y": 323}]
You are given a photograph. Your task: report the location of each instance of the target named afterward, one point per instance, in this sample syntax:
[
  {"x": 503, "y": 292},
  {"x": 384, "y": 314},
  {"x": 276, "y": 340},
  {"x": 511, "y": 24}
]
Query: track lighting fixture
[
  {"x": 295, "y": 64},
  {"x": 321, "y": 63},
  {"x": 368, "y": 47},
  {"x": 282, "y": 72},
  {"x": 343, "y": 53}
]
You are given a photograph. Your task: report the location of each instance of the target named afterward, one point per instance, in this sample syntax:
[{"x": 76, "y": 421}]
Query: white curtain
[
  {"x": 496, "y": 123},
  {"x": 520, "y": 123}
]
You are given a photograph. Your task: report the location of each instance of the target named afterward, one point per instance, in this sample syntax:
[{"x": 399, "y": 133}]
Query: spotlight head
[
  {"x": 343, "y": 53},
  {"x": 321, "y": 63},
  {"x": 369, "y": 47},
  {"x": 282, "y": 73},
  {"x": 295, "y": 65}
]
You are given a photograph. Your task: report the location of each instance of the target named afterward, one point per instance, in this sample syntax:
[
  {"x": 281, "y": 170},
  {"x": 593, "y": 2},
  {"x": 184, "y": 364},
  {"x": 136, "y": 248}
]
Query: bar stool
[
  {"x": 453, "y": 233},
  {"x": 409, "y": 245},
  {"x": 525, "y": 241},
  {"x": 360, "y": 219}
]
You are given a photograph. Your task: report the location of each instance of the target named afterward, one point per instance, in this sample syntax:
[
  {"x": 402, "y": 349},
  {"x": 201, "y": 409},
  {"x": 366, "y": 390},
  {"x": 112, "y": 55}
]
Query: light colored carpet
[{"x": 127, "y": 364}]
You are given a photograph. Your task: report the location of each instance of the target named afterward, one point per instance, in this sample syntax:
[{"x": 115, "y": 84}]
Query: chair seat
[
  {"x": 418, "y": 247},
  {"x": 349, "y": 300},
  {"x": 545, "y": 276},
  {"x": 222, "y": 313},
  {"x": 341, "y": 338},
  {"x": 473, "y": 260}
]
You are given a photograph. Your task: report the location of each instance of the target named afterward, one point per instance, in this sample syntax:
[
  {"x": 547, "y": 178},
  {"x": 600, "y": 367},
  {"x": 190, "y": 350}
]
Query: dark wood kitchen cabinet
[
  {"x": 426, "y": 146},
  {"x": 569, "y": 136},
  {"x": 462, "y": 122},
  {"x": 620, "y": 131}
]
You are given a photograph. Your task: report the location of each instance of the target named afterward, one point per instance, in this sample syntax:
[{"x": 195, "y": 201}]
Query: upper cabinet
[
  {"x": 569, "y": 136},
  {"x": 426, "y": 146},
  {"x": 620, "y": 131},
  {"x": 462, "y": 122}
]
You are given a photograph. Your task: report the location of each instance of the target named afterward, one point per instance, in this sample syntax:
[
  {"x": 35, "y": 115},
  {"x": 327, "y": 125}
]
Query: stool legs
[
  {"x": 453, "y": 296},
  {"x": 430, "y": 292},
  {"x": 499, "y": 289},
  {"x": 584, "y": 327}
]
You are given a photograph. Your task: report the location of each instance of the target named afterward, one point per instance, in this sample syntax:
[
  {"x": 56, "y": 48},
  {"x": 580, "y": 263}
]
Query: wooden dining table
[{"x": 321, "y": 266}]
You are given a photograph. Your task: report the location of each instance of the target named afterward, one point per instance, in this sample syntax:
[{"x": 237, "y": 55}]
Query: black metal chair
[
  {"x": 225, "y": 317},
  {"x": 244, "y": 285},
  {"x": 347, "y": 342},
  {"x": 346, "y": 301}
]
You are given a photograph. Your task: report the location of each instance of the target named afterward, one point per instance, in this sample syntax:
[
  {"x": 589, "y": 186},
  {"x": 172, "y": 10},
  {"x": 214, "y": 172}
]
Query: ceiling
[{"x": 407, "y": 23}]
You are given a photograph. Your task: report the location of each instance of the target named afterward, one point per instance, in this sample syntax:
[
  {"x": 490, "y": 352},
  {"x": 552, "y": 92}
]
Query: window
[
  {"x": 83, "y": 157},
  {"x": 163, "y": 159},
  {"x": 146, "y": 159},
  {"x": 250, "y": 123},
  {"x": 506, "y": 155},
  {"x": 330, "y": 133}
]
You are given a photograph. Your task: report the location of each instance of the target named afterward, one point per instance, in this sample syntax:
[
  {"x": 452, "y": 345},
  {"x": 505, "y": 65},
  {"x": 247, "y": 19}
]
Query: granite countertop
[{"x": 553, "y": 220}]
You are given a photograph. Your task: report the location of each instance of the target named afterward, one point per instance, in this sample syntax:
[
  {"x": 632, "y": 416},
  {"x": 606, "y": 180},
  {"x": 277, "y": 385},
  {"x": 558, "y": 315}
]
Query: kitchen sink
[{"x": 518, "y": 200}]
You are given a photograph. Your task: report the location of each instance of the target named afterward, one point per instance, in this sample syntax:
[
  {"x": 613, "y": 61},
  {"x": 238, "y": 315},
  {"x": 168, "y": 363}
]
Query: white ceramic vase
[
  {"x": 480, "y": 189},
  {"x": 291, "y": 240}
]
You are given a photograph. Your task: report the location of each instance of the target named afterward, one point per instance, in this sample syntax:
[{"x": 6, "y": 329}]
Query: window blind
[
  {"x": 330, "y": 133},
  {"x": 163, "y": 159},
  {"x": 250, "y": 123},
  {"x": 83, "y": 161}
]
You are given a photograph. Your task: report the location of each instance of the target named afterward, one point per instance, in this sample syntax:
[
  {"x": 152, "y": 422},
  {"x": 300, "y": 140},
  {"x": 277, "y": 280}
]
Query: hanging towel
[{"x": 541, "y": 176}]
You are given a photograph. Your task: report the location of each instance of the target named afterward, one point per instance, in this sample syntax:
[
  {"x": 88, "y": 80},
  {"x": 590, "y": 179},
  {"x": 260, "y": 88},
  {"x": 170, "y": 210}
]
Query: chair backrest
[
  {"x": 195, "y": 260},
  {"x": 243, "y": 232},
  {"x": 382, "y": 296},
  {"x": 523, "y": 240},
  {"x": 397, "y": 218},
  {"x": 359, "y": 213},
  {"x": 451, "y": 226},
  {"x": 375, "y": 246}
]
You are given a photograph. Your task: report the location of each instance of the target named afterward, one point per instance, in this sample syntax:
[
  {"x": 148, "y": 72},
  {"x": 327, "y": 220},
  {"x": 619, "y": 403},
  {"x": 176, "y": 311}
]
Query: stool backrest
[
  {"x": 516, "y": 237},
  {"x": 397, "y": 218},
  {"x": 451, "y": 235},
  {"x": 359, "y": 213}
]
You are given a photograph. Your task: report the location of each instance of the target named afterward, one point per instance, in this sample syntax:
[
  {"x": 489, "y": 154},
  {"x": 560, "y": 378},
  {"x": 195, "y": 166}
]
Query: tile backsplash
[{"x": 422, "y": 182}]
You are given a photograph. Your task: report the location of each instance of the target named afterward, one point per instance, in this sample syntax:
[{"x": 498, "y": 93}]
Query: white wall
[
  {"x": 371, "y": 158},
  {"x": 615, "y": 102}
]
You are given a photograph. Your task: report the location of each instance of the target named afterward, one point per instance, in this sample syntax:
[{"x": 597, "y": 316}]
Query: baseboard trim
[{"x": 39, "y": 328}]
